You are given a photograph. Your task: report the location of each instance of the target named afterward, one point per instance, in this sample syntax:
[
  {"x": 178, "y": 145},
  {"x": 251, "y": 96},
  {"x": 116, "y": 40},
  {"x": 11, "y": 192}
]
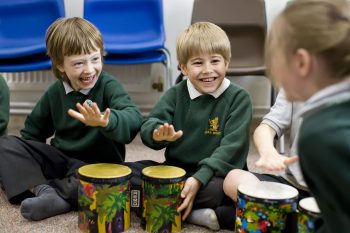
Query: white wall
[
  {"x": 177, "y": 16},
  {"x": 74, "y": 8},
  {"x": 273, "y": 8}
]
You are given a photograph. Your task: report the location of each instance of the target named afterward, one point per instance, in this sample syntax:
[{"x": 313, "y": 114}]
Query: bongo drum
[
  {"x": 266, "y": 207},
  {"x": 104, "y": 198},
  {"x": 308, "y": 213},
  {"x": 161, "y": 196}
]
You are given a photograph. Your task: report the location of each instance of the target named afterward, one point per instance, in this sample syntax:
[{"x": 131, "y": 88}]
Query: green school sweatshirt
[
  {"x": 324, "y": 151},
  {"x": 215, "y": 130},
  {"x": 4, "y": 106},
  {"x": 90, "y": 144}
]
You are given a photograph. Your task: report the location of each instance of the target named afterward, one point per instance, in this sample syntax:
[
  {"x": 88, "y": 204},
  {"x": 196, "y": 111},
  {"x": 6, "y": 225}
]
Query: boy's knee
[
  {"x": 233, "y": 174},
  {"x": 236, "y": 176},
  {"x": 233, "y": 177}
]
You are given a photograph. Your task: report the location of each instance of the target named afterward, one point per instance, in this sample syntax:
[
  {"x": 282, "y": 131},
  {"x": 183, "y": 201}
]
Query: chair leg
[
  {"x": 168, "y": 75},
  {"x": 281, "y": 145},
  {"x": 179, "y": 78}
]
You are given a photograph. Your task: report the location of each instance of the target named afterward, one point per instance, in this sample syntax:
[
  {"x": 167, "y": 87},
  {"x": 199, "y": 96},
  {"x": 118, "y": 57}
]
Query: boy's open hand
[
  {"x": 90, "y": 115},
  {"x": 166, "y": 132}
]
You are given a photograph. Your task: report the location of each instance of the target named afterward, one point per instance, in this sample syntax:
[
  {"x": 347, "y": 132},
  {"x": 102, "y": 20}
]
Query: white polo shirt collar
[
  {"x": 194, "y": 93},
  {"x": 69, "y": 89}
]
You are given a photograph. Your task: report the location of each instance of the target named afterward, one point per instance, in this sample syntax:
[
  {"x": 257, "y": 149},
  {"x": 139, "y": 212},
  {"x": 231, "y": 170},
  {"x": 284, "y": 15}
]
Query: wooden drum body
[
  {"x": 161, "y": 196},
  {"x": 308, "y": 213},
  {"x": 104, "y": 198},
  {"x": 265, "y": 207}
]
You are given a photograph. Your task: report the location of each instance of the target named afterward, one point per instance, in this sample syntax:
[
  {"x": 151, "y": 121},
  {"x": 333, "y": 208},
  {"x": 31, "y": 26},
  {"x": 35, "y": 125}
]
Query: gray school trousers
[{"x": 26, "y": 163}]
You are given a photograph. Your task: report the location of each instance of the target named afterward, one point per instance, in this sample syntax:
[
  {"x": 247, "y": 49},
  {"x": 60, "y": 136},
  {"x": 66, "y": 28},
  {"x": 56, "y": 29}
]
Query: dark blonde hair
[
  {"x": 202, "y": 37},
  {"x": 322, "y": 27},
  {"x": 71, "y": 36}
]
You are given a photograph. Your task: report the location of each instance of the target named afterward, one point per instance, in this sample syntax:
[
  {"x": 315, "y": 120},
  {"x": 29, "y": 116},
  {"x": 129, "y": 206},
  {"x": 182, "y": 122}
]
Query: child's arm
[
  {"x": 4, "y": 106},
  {"x": 121, "y": 120},
  {"x": 276, "y": 122},
  {"x": 157, "y": 130},
  {"x": 124, "y": 119},
  {"x": 269, "y": 156},
  {"x": 38, "y": 125}
]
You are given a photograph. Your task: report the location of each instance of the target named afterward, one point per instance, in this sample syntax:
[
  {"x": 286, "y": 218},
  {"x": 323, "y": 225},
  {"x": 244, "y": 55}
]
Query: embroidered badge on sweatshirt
[{"x": 213, "y": 127}]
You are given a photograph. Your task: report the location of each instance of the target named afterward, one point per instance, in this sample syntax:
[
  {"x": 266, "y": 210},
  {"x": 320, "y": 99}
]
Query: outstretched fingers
[
  {"x": 166, "y": 132},
  {"x": 90, "y": 114},
  {"x": 291, "y": 160}
]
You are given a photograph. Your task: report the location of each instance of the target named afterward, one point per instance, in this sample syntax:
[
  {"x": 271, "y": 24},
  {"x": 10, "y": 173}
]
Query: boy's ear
[
  {"x": 303, "y": 61},
  {"x": 183, "y": 69},
  {"x": 60, "y": 68}
]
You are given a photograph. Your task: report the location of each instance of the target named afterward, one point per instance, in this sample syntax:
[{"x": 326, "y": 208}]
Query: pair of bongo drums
[
  {"x": 104, "y": 198},
  {"x": 273, "y": 207}
]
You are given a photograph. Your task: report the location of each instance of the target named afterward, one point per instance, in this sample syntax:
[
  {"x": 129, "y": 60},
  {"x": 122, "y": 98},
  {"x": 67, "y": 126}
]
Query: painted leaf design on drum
[
  {"x": 85, "y": 200},
  {"x": 163, "y": 216},
  {"x": 306, "y": 223},
  {"x": 161, "y": 202},
  {"x": 111, "y": 200},
  {"x": 103, "y": 207}
]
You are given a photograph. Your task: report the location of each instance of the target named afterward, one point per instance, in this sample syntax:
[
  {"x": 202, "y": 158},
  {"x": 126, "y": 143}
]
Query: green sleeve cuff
[{"x": 204, "y": 174}]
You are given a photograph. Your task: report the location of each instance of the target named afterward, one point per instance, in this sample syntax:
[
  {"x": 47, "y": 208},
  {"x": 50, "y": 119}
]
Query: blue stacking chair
[
  {"x": 22, "y": 33},
  {"x": 132, "y": 30}
]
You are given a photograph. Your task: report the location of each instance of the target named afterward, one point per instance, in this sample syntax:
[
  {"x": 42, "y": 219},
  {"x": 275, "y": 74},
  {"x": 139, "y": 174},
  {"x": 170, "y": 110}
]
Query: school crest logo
[{"x": 213, "y": 127}]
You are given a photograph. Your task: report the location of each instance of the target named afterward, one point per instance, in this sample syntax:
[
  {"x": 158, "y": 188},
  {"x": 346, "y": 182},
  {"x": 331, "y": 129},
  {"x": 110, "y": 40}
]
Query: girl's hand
[
  {"x": 90, "y": 114},
  {"x": 275, "y": 161}
]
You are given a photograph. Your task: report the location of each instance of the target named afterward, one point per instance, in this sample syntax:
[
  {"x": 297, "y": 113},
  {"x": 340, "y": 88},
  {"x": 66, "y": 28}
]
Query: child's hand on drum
[
  {"x": 275, "y": 161},
  {"x": 188, "y": 194},
  {"x": 90, "y": 114},
  {"x": 166, "y": 132}
]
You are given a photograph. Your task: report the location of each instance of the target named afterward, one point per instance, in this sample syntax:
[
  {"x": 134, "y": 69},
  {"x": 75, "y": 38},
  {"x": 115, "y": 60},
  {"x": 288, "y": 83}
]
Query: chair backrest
[
  {"x": 23, "y": 24},
  {"x": 128, "y": 26},
  {"x": 244, "y": 21}
]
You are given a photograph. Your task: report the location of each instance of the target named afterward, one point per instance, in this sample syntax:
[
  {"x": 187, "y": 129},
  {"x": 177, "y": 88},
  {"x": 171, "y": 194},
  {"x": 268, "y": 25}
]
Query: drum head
[
  {"x": 163, "y": 172},
  {"x": 309, "y": 204},
  {"x": 104, "y": 171},
  {"x": 268, "y": 190}
]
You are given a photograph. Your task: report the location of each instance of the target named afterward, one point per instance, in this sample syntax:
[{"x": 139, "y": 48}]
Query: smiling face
[
  {"x": 205, "y": 71},
  {"x": 82, "y": 70}
]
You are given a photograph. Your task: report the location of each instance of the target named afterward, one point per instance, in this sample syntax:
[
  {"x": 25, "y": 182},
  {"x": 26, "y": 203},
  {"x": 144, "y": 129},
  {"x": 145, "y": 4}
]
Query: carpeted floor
[{"x": 12, "y": 221}]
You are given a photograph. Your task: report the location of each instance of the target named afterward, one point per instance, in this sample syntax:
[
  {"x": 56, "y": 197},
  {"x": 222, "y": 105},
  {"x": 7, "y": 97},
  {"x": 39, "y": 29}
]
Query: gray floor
[{"x": 12, "y": 221}]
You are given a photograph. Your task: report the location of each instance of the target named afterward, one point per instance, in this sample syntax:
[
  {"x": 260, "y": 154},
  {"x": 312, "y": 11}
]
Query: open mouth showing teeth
[
  {"x": 86, "y": 79},
  {"x": 207, "y": 79}
]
